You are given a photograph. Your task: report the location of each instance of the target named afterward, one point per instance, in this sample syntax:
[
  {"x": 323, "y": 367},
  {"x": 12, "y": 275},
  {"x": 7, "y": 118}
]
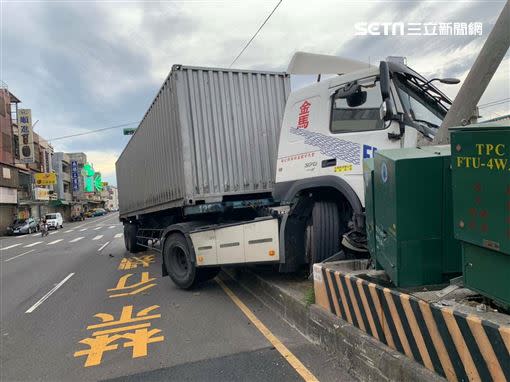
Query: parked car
[
  {"x": 99, "y": 212},
  {"x": 55, "y": 220},
  {"x": 78, "y": 217},
  {"x": 89, "y": 213},
  {"x": 22, "y": 226}
]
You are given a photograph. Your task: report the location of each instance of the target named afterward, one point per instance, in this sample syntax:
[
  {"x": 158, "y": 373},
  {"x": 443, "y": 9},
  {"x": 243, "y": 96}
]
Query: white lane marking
[
  {"x": 45, "y": 297},
  {"x": 112, "y": 226},
  {"x": 99, "y": 220},
  {"x": 69, "y": 230},
  {"x": 117, "y": 235},
  {"x": 21, "y": 236},
  {"x": 54, "y": 242},
  {"x": 102, "y": 247},
  {"x": 53, "y": 233},
  {"x": 10, "y": 246},
  {"x": 35, "y": 234},
  {"x": 22, "y": 254},
  {"x": 77, "y": 239},
  {"x": 83, "y": 229},
  {"x": 31, "y": 245},
  {"x": 97, "y": 237},
  {"x": 95, "y": 229}
]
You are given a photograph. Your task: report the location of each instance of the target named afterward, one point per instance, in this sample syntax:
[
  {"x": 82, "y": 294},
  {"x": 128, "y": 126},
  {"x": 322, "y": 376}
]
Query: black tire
[
  {"x": 130, "y": 238},
  {"x": 323, "y": 232},
  {"x": 178, "y": 262}
]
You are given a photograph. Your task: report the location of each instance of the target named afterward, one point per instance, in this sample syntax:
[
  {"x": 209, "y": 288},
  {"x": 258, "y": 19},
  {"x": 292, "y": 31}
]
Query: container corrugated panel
[{"x": 209, "y": 133}]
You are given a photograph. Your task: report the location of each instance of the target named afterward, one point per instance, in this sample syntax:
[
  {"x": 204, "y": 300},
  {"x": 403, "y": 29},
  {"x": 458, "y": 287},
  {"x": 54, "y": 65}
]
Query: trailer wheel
[
  {"x": 178, "y": 262},
  {"x": 130, "y": 238},
  {"x": 322, "y": 235}
]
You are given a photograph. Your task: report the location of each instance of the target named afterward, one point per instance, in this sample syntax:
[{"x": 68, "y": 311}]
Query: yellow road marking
[
  {"x": 121, "y": 329},
  {"x": 282, "y": 349}
]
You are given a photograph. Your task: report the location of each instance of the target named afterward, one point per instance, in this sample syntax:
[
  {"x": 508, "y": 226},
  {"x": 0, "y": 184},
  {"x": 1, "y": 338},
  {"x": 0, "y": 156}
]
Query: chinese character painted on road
[
  {"x": 133, "y": 262},
  {"x": 135, "y": 288},
  {"x": 128, "y": 331},
  {"x": 304, "y": 113}
]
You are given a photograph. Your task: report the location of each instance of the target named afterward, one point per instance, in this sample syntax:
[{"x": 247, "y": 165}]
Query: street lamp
[{"x": 448, "y": 81}]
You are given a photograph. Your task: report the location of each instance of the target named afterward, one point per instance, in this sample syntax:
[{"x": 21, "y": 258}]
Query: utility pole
[{"x": 479, "y": 76}]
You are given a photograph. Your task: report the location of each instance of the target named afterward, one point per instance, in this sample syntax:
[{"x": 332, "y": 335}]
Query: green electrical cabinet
[
  {"x": 413, "y": 216},
  {"x": 481, "y": 206},
  {"x": 368, "y": 175}
]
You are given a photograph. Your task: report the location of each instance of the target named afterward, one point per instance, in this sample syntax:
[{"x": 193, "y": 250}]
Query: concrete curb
[{"x": 363, "y": 356}]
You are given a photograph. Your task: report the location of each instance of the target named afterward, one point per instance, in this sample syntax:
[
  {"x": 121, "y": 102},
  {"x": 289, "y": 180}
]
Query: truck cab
[{"x": 329, "y": 128}]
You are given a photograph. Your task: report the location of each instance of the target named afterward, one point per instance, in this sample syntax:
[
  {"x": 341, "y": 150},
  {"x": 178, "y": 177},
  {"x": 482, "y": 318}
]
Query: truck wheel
[
  {"x": 178, "y": 262},
  {"x": 322, "y": 236},
  {"x": 130, "y": 238}
]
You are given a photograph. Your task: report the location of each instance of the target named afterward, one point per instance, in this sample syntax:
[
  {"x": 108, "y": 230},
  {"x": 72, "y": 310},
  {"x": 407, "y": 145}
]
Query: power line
[
  {"x": 92, "y": 131},
  {"x": 256, "y": 33},
  {"x": 494, "y": 103}
]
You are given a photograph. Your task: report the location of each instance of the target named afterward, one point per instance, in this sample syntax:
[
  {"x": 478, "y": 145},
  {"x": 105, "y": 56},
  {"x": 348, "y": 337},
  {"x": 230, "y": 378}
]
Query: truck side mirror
[
  {"x": 384, "y": 80},
  {"x": 356, "y": 99},
  {"x": 387, "y": 110}
]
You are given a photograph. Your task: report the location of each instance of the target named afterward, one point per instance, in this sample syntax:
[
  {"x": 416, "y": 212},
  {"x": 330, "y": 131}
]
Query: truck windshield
[{"x": 422, "y": 103}]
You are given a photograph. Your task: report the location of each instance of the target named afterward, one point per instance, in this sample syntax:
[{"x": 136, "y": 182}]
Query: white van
[{"x": 54, "y": 220}]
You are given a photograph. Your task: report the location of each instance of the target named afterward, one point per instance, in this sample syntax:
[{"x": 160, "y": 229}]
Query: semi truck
[{"x": 231, "y": 167}]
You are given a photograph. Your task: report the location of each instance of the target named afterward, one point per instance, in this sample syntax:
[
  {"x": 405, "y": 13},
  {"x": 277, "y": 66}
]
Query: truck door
[
  {"x": 355, "y": 131},
  {"x": 326, "y": 133}
]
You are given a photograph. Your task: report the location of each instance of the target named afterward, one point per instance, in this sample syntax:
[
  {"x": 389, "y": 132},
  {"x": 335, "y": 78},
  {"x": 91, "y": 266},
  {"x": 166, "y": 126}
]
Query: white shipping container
[{"x": 208, "y": 133}]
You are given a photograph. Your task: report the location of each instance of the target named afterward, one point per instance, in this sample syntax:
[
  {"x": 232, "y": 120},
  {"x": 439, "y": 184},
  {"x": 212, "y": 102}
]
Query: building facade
[
  {"x": 9, "y": 180},
  {"x": 33, "y": 200},
  {"x": 27, "y": 189},
  {"x": 112, "y": 199}
]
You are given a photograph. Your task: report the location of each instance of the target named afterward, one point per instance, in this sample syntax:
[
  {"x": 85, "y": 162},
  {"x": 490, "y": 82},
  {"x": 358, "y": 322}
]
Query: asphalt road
[{"x": 79, "y": 284}]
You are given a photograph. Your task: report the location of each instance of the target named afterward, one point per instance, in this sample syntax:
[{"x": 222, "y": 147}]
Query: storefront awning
[{"x": 32, "y": 202}]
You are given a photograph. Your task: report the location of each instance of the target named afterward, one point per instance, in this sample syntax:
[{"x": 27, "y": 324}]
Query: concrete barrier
[{"x": 363, "y": 356}]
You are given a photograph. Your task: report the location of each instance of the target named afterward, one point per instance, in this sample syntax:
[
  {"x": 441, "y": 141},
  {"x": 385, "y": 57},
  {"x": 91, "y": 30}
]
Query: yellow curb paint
[{"x": 282, "y": 349}]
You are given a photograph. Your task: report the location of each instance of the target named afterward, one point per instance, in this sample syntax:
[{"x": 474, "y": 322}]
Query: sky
[{"x": 84, "y": 65}]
